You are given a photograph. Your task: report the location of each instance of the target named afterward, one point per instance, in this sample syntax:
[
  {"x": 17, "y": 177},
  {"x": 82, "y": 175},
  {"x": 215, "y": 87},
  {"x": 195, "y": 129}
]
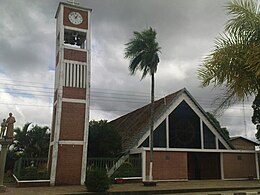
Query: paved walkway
[{"x": 184, "y": 187}]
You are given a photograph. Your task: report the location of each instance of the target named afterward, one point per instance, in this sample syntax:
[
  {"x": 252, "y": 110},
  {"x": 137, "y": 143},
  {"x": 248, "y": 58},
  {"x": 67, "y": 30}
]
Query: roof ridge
[{"x": 147, "y": 105}]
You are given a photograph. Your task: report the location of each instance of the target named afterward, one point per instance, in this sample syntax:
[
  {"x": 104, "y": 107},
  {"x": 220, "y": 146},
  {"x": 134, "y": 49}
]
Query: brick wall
[
  {"x": 239, "y": 165},
  {"x": 69, "y": 164},
  {"x": 168, "y": 165},
  {"x": 70, "y": 54},
  {"x": 72, "y": 121},
  {"x": 74, "y": 93}
]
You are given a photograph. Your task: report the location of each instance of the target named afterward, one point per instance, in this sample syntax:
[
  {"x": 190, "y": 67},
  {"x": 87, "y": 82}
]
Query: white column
[
  {"x": 87, "y": 85},
  {"x": 257, "y": 165},
  {"x": 167, "y": 132},
  {"x": 58, "y": 104},
  {"x": 201, "y": 134},
  {"x": 144, "y": 165},
  {"x": 221, "y": 166},
  {"x": 217, "y": 146}
]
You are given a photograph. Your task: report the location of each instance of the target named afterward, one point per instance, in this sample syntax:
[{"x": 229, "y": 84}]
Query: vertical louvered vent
[{"x": 75, "y": 75}]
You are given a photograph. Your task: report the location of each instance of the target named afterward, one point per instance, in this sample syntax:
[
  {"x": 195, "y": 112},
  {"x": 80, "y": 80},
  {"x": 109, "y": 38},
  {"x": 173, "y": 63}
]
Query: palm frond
[
  {"x": 227, "y": 66},
  {"x": 142, "y": 50},
  {"x": 246, "y": 18}
]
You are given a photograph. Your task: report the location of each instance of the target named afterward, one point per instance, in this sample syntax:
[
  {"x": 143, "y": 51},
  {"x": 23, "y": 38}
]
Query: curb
[{"x": 172, "y": 191}]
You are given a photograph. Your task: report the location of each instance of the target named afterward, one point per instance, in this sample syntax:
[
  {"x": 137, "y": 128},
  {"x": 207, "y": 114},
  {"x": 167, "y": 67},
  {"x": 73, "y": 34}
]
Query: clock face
[{"x": 75, "y": 18}]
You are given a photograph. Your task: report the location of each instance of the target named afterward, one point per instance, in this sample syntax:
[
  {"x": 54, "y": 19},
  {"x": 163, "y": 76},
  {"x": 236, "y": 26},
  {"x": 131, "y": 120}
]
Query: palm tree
[
  {"x": 142, "y": 50},
  {"x": 235, "y": 61},
  {"x": 33, "y": 142},
  {"x": 21, "y": 139}
]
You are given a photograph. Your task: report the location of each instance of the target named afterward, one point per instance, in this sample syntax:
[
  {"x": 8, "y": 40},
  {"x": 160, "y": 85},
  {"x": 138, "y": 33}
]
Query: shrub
[
  {"x": 125, "y": 170},
  {"x": 97, "y": 180},
  {"x": 28, "y": 173}
]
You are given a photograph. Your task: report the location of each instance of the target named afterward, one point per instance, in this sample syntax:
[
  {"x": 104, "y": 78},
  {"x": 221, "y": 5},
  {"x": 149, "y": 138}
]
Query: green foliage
[
  {"x": 104, "y": 141},
  {"x": 28, "y": 142},
  {"x": 142, "y": 50},
  {"x": 32, "y": 142},
  {"x": 256, "y": 115},
  {"x": 224, "y": 130},
  {"x": 32, "y": 173},
  {"x": 126, "y": 170},
  {"x": 97, "y": 180},
  {"x": 235, "y": 62},
  {"x": 31, "y": 169}
]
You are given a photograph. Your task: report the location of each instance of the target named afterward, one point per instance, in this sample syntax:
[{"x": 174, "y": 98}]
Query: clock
[{"x": 75, "y": 18}]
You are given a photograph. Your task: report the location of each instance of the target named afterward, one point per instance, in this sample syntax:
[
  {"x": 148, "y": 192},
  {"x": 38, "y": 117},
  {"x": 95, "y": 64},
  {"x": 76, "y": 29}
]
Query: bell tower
[{"x": 69, "y": 132}]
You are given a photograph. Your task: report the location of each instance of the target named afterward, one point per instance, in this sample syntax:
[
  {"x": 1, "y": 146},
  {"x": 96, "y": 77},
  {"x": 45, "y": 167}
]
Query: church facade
[{"x": 187, "y": 144}]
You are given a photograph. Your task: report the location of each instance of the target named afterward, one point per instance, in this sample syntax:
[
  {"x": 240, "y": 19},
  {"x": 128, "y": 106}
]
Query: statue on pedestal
[
  {"x": 3, "y": 127},
  {"x": 10, "y": 126}
]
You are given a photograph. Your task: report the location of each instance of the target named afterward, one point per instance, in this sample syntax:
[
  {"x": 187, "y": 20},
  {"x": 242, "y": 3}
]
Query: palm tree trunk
[{"x": 151, "y": 128}]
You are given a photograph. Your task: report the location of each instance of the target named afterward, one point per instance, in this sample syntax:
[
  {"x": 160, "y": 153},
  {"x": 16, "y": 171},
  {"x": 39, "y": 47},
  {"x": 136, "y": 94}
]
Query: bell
[
  {"x": 72, "y": 41},
  {"x": 78, "y": 43}
]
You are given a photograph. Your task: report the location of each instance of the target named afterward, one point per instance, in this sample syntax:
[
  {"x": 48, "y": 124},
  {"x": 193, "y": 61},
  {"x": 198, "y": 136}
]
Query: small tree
[
  {"x": 216, "y": 122},
  {"x": 104, "y": 141}
]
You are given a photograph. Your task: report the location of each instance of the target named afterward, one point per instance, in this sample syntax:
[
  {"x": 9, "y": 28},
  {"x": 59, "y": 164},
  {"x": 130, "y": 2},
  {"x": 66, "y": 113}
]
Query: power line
[
  {"x": 117, "y": 96},
  {"x": 123, "y": 99}
]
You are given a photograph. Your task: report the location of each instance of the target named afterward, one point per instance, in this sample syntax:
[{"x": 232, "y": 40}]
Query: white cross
[{"x": 73, "y": 2}]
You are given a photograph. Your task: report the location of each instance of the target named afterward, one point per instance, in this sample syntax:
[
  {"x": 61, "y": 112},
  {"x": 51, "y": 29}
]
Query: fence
[
  {"x": 31, "y": 169},
  {"x": 131, "y": 167},
  {"x": 36, "y": 168}
]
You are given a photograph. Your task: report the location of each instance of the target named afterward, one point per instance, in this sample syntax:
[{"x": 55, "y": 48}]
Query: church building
[{"x": 187, "y": 144}]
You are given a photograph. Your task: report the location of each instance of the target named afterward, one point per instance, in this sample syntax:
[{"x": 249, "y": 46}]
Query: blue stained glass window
[
  {"x": 184, "y": 127},
  {"x": 159, "y": 137},
  {"x": 209, "y": 138}
]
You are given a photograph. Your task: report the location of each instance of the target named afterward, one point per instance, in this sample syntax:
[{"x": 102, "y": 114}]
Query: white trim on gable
[
  {"x": 139, "y": 150},
  {"x": 203, "y": 119},
  {"x": 161, "y": 119}
]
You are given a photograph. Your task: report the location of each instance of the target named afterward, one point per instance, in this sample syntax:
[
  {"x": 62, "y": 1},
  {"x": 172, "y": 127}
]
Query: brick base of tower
[
  {"x": 68, "y": 154},
  {"x": 69, "y": 165}
]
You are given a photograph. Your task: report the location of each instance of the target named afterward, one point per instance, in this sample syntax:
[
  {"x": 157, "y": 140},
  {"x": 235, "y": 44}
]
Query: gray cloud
[{"x": 186, "y": 32}]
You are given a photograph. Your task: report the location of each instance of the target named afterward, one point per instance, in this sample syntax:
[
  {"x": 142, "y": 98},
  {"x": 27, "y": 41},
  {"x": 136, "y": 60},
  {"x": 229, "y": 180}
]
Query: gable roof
[
  {"x": 135, "y": 124},
  {"x": 243, "y": 138}
]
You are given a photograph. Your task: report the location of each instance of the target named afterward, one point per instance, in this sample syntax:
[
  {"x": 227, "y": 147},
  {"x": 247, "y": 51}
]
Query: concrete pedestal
[{"x": 4, "y": 143}]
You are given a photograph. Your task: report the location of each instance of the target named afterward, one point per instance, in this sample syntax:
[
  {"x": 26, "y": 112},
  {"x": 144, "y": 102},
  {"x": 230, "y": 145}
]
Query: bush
[
  {"x": 28, "y": 173},
  {"x": 31, "y": 173},
  {"x": 125, "y": 170},
  {"x": 97, "y": 181}
]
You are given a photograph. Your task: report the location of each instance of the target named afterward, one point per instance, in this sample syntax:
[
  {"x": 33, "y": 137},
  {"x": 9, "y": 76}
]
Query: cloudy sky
[{"x": 186, "y": 32}]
